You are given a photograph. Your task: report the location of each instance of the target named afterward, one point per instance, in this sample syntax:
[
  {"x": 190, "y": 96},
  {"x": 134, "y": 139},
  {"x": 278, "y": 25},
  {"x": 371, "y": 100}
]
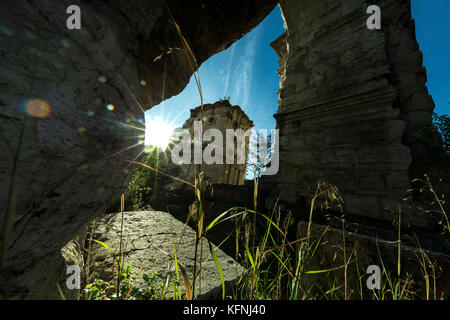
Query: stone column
[{"x": 345, "y": 102}]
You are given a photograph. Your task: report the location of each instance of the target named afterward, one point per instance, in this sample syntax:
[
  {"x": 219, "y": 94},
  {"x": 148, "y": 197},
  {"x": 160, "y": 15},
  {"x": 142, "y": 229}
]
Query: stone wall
[
  {"x": 221, "y": 116},
  {"x": 350, "y": 100},
  {"x": 347, "y": 98},
  {"x": 82, "y": 88}
]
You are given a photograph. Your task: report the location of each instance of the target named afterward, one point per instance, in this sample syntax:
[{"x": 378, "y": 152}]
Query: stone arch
[
  {"x": 73, "y": 163},
  {"x": 70, "y": 169}
]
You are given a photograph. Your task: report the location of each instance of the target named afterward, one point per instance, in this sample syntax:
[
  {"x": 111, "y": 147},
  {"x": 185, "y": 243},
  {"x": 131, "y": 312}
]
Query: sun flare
[{"x": 158, "y": 133}]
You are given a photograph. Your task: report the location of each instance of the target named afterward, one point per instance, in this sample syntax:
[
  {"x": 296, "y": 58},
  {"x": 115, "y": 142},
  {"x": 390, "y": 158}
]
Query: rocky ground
[{"x": 149, "y": 241}]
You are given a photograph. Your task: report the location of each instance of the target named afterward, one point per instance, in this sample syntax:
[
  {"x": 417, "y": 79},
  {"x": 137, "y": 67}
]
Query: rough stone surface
[
  {"x": 70, "y": 165},
  {"x": 221, "y": 116},
  {"x": 216, "y": 199},
  {"x": 150, "y": 236},
  {"x": 350, "y": 101},
  {"x": 73, "y": 254}
]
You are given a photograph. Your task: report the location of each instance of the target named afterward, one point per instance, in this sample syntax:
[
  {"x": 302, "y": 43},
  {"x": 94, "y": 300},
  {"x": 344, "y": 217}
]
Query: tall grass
[
  {"x": 276, "y": 267},
  {"x": 437, "y": 204},
  {"x": 10, "y": 206}
]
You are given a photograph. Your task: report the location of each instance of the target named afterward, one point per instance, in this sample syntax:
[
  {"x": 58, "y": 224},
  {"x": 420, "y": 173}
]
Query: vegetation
[
  {"x": 144, "y": 182},
  {"x": 275, "y": 267},
  {"x": 442, "y": 125}
]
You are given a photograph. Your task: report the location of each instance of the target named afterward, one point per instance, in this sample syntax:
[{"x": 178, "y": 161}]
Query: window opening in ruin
[{"x": 245, "y": 75}]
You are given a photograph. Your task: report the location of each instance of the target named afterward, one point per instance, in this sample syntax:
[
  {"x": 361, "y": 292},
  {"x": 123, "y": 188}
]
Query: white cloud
[
  {"x": 230, "y": 64},
  {"x": 243, "y": 73}
]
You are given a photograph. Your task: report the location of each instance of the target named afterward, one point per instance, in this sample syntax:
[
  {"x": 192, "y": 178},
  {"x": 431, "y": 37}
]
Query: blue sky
[
  {"x": 246, "y": 72},
  {"x": 433, "y": 34}
]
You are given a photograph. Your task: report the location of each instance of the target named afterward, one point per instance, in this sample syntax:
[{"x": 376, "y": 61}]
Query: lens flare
[
  {"x": 110, "y": 107},
  {"x": 158, "y": 133},
  {"x": 37, "y": 108}
]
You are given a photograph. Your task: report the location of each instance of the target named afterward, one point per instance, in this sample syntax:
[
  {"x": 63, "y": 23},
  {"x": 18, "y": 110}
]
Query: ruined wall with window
[{"x": 220, "y": 115}]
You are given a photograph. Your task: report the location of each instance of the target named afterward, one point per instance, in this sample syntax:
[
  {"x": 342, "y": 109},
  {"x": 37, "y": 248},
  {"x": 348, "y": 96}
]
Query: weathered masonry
[
  {"x": 350, "y": 102},
  {"x": 221, "y": 116}
]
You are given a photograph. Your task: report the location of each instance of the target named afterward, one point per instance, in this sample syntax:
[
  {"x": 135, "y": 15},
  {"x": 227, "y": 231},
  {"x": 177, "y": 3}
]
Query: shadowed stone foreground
[
  {"x": 352, "y": 101},
  {"x": 150, "y": 237},
  {"x": 55, "y": 87}
]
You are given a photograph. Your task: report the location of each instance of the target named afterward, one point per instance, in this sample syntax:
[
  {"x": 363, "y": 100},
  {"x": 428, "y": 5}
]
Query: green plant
[
  {"x": 273, "y": 266},
  {"x": 442, "y": 125},
  {"x": 143, "y": 182},
  {"x": 123, "y": 286},
  {"x": 100, "y": 289},
  {"x": 434, "y": 201}
]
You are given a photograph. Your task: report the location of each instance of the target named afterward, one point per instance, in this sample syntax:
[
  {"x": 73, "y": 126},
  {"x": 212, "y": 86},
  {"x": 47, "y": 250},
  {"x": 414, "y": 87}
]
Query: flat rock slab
[{"x": 151, "y": 236}]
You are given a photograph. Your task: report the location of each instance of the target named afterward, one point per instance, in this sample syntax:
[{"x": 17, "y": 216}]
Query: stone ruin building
[
  {"x": 351, "y": 113},
  {"x": 222, "y": 116}
]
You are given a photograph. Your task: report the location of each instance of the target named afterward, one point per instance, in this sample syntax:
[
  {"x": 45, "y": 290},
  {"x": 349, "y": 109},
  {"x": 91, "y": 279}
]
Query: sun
[{"x": 158, "y": 133}]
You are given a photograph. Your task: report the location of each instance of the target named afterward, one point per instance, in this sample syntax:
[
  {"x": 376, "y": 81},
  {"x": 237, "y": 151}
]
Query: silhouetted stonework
[
  {"x": 73, "y": 163},
  {"x": 350, "y": 101}
]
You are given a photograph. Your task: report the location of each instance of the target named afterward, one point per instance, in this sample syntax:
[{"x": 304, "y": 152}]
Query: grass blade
[
  {"x": 216, "y": 261},
  {"x": 186, "y": 283},
  {"x": 250, "y": 258},
  {"x": 218, "y": 219},
  {"x": 103, "y": 244}
]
